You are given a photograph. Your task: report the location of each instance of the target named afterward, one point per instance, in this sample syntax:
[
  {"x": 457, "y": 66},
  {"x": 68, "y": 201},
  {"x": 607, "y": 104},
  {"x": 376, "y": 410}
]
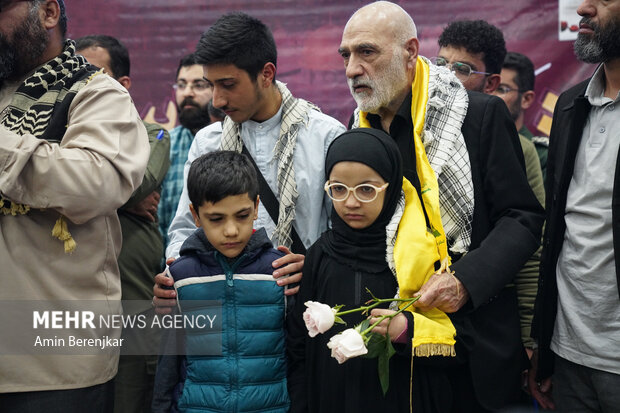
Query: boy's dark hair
[
  {"x": 238, "y": 39},
  {"x": 524, "y": 67},
  {"x": 216, "y": 175},
  {"x": 119, "y": 56},
  {"x": 477, "y": 36},
  {"x": 186, "y": 61}
]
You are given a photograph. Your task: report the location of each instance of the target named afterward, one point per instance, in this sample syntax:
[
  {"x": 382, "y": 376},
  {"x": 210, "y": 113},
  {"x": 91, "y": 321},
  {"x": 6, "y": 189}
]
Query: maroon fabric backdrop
[{"x": 307, "y": 32}]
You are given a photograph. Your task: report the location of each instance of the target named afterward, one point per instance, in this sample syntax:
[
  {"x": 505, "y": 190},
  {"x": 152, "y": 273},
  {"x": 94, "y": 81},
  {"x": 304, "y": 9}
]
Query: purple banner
[{"x": 307, "y": 32}]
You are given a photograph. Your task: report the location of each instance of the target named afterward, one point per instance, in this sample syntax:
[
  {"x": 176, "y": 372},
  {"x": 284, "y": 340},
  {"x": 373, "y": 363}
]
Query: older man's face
[
  {"x": 599, "y": 31},
  {"x": 23, "y": 40},
  {"x": 375, "y": 65}
]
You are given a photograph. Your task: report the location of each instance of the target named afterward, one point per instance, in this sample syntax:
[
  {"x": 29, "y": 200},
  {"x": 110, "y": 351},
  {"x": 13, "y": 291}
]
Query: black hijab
[{"x": 364, "y": 249}]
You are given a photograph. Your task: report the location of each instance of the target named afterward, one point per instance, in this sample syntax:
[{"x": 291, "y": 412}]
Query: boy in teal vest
[{"x": 226, "y": 260}]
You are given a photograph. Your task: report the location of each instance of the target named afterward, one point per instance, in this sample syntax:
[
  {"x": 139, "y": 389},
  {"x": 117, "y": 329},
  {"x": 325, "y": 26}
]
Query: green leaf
[
  {"x": 383, "y": 367},
  {"x": 375, "y": 346},
  {"x": 363, "y": 325},
  {"x": 390, "y": 348},
  {"x": 383, "y": 364},
  {"x": 339, "y": 320}
]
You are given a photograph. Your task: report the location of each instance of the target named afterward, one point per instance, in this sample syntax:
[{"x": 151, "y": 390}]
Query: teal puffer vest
[{"x": 250, "y": 373}]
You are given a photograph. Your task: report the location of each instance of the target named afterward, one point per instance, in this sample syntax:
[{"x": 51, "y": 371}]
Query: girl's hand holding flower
[{"x": 392, "y": 326}]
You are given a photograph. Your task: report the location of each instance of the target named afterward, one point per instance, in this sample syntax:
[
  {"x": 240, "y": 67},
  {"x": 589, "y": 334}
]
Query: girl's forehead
[{"x": 354, "y": 170}]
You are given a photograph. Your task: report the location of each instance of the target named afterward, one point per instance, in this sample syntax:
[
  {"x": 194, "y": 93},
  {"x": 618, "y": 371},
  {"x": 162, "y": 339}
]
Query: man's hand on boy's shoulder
[
  {"x": 164, "y": 294},
  {"x": 288, "y": 270}
]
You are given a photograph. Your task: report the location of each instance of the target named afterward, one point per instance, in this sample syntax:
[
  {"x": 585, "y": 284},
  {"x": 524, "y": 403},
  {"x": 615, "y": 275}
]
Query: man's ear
[
  {"x": 527, "y": 99},
  {"x": 412, "y": 47},
  {"x": 125, "y": 81},
  {"x": 51, "y": 14},
  {"x": 492, "y": 83},
  {"x": 267, "y": 75},
  {"x": 195, "y": 215}
]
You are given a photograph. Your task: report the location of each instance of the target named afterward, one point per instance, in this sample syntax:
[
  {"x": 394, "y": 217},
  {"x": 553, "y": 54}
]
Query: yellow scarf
[{"x": 417, "y": 247}]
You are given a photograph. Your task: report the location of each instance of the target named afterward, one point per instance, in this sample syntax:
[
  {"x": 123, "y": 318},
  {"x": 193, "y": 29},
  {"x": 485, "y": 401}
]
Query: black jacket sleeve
[{"x": 507, "y": 218}]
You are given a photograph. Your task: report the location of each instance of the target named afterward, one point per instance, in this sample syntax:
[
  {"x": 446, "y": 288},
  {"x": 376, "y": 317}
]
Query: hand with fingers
[
  {"x": 443, "y": 291},
  {"x": 394, "y": 327},
  {"x": 164, "y": 295},
  {"x": 147, "y": 208},
  {"x": 288, "y": 270}
]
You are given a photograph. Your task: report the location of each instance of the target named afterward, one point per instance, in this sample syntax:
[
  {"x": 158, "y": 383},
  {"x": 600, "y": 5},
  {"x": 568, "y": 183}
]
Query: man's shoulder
[
  {"x": 102, "y": 81},
  {"x": 482, "y": 108},
  {"x": 577, "y": 89},
  {"x": 569, "y": 95},
  {"x": 323, "y": 122},
  {"x": 479, "y": 99},
  {"x": 98, "y": 89},
  {"x": 210, "y": 130},
  {"x": 208, "y": 138}
]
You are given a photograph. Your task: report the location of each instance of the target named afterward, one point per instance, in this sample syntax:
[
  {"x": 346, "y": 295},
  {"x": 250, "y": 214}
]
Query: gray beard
[{"x": 600, "y": 47}]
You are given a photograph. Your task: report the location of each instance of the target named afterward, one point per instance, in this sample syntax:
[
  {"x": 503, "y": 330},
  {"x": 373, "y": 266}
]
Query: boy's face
[
  {"x": 229, "y": 223},
  {"x": 354, "y": 213}
]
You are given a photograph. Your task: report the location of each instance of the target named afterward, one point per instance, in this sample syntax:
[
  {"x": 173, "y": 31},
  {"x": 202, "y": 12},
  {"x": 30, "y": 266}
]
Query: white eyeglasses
[{"x": 362, "y": 192}]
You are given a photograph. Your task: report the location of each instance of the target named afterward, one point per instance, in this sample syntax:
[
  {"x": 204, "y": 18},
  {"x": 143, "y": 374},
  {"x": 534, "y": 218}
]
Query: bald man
[{"x": 491, "y": 218}]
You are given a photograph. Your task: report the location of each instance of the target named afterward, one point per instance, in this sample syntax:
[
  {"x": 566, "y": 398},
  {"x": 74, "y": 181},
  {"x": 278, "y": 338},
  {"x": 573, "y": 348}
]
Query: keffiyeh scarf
[
  {"x": 295, "y": 114},
  {"x": 446, "y": 105},
  {"x": 40, "y": 107}
]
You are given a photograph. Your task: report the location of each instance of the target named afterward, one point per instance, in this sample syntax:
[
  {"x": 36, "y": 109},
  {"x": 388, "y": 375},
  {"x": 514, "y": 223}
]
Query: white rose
[
  {"x": 347, "y": 344},
  {"x": 318, "y": 317}
]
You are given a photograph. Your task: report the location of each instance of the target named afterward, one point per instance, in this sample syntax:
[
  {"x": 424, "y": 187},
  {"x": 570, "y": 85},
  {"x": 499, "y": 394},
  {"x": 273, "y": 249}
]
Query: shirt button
[{"x": 602, "y": 130}]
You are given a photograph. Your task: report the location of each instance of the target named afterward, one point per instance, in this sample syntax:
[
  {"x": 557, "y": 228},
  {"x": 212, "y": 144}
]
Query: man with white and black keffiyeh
[
  {"x": 491, "y": 218},
  {"x": 73, "y": 151},
  {"x": 287, "y": 138}
]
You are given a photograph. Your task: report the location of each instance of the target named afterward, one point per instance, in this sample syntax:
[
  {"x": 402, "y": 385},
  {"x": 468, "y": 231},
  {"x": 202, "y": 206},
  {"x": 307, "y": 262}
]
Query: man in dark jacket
[
  {"x": 577, "y": 315},
  {"x": 490, "y": 215}
]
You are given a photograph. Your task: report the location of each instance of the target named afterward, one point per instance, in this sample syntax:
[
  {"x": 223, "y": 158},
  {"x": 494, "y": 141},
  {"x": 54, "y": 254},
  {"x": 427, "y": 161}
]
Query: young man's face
[
  {"x": 192, "y": 95},
  {"x": 513, "y": 97},
  {"x": 476, "y": 81},
  {"x": 235, "y": 93},
  {"x": 229, "y": 223}
]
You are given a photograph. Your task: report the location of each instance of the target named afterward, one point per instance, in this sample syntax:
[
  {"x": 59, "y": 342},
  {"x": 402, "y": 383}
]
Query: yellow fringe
[
  {"x": 61, "y": 231},
  {"x": 434, "y": 349}
]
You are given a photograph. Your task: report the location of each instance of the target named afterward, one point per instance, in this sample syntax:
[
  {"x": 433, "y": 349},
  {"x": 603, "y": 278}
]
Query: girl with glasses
[{"x": 364, "y": 181}]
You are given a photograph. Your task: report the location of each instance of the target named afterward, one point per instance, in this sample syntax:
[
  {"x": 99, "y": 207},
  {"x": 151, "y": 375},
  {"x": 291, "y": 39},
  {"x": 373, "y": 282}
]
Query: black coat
[
  {"x": 569, "y": 118},
  {"x": 506, "y": 230}
]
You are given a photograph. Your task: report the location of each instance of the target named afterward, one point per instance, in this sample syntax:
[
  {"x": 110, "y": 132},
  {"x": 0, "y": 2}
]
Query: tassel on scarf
[{"x": 61, "y": 231}]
